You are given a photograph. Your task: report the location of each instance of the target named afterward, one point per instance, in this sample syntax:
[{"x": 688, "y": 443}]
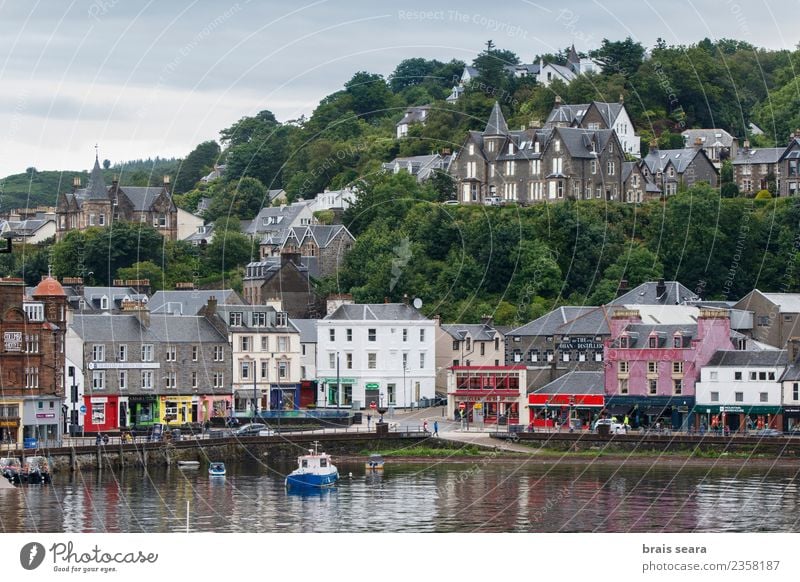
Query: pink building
[{"x": 651, "y": 370}]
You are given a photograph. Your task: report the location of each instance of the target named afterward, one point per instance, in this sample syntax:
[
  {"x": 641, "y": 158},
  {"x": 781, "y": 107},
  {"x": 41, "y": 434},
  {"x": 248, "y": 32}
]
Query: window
[
  {"x": 98, "y": 413},
  {"x": 245, "y": 342},
  {"x": 737, "y": 375},
  {"x": 652, "y": 386},
  {"x": 372, "y": 334},
  {"x": 598, "y": 356},
  {"x": 510, "y": 168},
  {"x": 677, "y": 341},
  {"x": 405, "y": 361},
  {"x": 653, "y": 341},
  {"x": 753, "y": 376},
  {"x": 405, "y": 335},
  {"x": 472, "y": 170},
  {"x": 235, "y": 318},
  {"x": 677, "y": 367},
  {"x": 483, "y": 348},
  {"x": 264, "y": 343},
  {"x": 123, "y": 379},
  {"x": 469, "y": 344},
  {"x": 169, "y": 381},
  {"x": 194, "y": 353},
  {"x": 715, "y": 397},
  {"x": 332, "y": 334},
  {"x": 98, "y": 353},
  {"x": 281, "y": 319},
  {"x": 348, "y": 361},
  {"x": 762, "y": 376},
  {"x": 147, "y": 352},
  {"x": 593, "y": 166},
  {"x": 623, "y": 386},
  {"x": 422, "y": 335},
  {"x": 372, "y": 360},
  {"x": 123, "y": 353},
  {"x": 624, "y": 341},
  {"x": 624, "y": 367},
  {"x": 549, "y": 355},
  {"x": 259, "y": 319},
  {"x": 32, "y": 378},
  {"x": 104, "y": 303},
  {"x": 652, "y": 367},
  {"x": 331, "y": 360},
  {"x": 763, "y": 397},
  {"x": 147, "y": 379},
  {"x": 218, "y": 379},
  {"x": 391, "y": 391},
  {"x": 610, "y": 168},
  {"x": 98, "y": 380},
  {"x": 565, "y": 356},
  {"x": 194, "y": 379},
  {"x": 771, "y": 375},
  {"x": 796, "y": 391},
  {"x": 219, "y": 354},
  {"x": 245, "y": 370},
  {"x": 738, "y": 396},
  {"x": 677, "y": 386},
  {"x": 713, "y": 375},
  {"x": 283, "y": 370},
  {"x": 283, "y": 343},
  {"x": 581, "y": 356},
  {"x": 471, "y": 149},
  {"x": 348, "y": 333},
  {"x": 455, "y": 345},
  {"x": 171, "y": 353},
  {"x": 264, "y": 370},
  {"x": 422, "y": 361}
]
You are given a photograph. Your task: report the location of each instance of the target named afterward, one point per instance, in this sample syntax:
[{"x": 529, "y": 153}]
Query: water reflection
[{"x": 412, "y": 497}]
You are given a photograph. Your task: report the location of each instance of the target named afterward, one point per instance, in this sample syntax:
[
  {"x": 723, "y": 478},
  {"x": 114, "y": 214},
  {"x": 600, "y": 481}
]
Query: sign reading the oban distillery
[
  {"x": 12, "y": 340},
  {"x": 580, "y": 343}
]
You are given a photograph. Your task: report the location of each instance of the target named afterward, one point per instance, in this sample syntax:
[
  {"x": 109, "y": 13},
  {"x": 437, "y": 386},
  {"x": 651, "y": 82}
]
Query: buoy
[{"x": 350, "y": 474}]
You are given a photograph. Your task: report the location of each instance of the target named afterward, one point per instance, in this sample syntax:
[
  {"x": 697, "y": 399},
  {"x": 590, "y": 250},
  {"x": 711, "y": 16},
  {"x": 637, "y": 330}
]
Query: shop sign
[
  {"x": 579, "y": 343},
  {"x": 46, "y": 415}
]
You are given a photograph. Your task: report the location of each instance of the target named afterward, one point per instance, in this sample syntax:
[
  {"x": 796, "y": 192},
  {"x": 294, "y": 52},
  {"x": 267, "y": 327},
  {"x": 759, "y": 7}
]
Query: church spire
[{"x": 497, "y": 123}]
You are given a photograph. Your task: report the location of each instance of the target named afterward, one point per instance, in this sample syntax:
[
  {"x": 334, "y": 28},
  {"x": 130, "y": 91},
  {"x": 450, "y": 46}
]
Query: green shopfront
[
  {"x": 144, "y": 409},
  {"x": 674, "y": 412},
  {"x": 738, "y": 418},
  {"x": 336, "y": 392}
]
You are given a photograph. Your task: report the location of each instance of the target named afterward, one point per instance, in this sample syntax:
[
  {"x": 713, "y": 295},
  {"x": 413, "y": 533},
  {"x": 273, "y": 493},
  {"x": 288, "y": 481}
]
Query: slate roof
[
  {"x": 307, "y": 329},
  {"x": 477, "y": 331},
  {"x": 708, "y": 137},
  {"x": 141, "y": 198},
  {"x": 163, "y": 328},
  {"x": 191, "y": 301},
  {"x": 638, "y": 335},
  {"x": 96, "y": 188},
  {"x": 787, "y": 302},
  {"x": 767, "y": 358},
  {"x": 323, "y": 235},
  {"x": 578, "y": 141},
  {"x": 645, "y": 294},
  {"x": 414, "y": 114},
  {"x": 420, "y": 166},
  {"x": 656, "y": 160},
  {"x": 575, "y": 383},
  {"x": 758, "y": 156},
  {"x": 224, "y": 311},
  {"x": 549, "y": 323},
  {"x": 376, "y": 312},
  {"x": 284, "y": 218},
  {"x": 497, "y": 123}
]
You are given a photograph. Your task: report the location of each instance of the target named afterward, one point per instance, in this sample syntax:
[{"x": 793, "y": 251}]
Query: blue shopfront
[
  {"x": 284, "y": 396},
  {"x": 675, "y": 412}
]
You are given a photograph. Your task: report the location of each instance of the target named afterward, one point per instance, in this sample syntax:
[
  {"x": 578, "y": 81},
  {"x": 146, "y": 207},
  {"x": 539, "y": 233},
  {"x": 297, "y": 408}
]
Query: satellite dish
[{"x": 417, "y": 302}]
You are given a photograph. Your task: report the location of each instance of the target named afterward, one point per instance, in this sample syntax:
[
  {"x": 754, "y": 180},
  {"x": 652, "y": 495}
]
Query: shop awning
[{"x": 735, "y": 409}]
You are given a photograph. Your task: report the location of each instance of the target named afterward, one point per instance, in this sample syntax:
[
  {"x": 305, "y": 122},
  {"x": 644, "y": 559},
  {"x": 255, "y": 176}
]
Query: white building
[
  {"x": 382, "y": 353},
  {"x": 265, "y": 349},
  {"x": 308, "y": 347},
  {"x": 736, "y": 384},
  {"x": 332, "y": 200}
]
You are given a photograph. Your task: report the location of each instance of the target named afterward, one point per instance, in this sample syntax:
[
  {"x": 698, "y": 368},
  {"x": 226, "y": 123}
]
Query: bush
[{"x": 763, "y": 195}]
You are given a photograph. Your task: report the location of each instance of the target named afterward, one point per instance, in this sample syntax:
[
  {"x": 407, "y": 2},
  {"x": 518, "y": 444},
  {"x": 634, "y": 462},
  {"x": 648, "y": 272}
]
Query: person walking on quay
[
  {"x": 369, "y": 420},
  {"x": 425, "y": 426},
  {"x": 436, "y": 428}
]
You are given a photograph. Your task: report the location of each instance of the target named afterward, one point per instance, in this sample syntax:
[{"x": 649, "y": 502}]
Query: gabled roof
[
  {"x": 608, "y": 111},
  {"x": 766, "y": 358},
  {"x": 638, "y": 335},
  {"x": 708, "y": 137},
  {"x": 376, "y": 312},
  {"x": 307, "y": 329},
  {"x": 657, "y": 160},
  {"x": 141, "y": 198},
  {"x": 281, "y": 217},
  {"x": 647, "y": 294},
  {"x": 224, "y": 311},
  {"x": 786, "y": 302},
  {"x": 414, "y": 114},
  {"x": 578, "y": 141},
  {"x": 479, "y": 332},
  {"x": 497, "y": 123},
  {"x": 163, "y": 328}
]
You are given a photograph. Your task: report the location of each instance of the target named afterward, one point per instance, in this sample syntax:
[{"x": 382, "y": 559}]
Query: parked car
[
  {"x": 768, "y": 432},
  {"x": 613, "y": 427},
  {"x": 450, "y": 202},
  {"x": 10, "y": 468},
  {"x": 492, "y": 201},
  {"x": 253, "y": 429}
]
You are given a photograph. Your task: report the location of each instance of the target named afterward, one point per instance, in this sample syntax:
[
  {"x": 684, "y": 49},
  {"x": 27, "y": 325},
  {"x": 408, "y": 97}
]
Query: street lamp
[
  {"x": 338, "y": 383},
  {"x": 255, "y": 391},
  {"x": 405, "y": 389}
]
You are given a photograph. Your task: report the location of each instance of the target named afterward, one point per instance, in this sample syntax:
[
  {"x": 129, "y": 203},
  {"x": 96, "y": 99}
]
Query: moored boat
[
  {"x": 188, "y": 464},
  {"x": 216, "y": 469},
  {"x": 375, "y": 463},
  {"x": 314, "y": 470}
]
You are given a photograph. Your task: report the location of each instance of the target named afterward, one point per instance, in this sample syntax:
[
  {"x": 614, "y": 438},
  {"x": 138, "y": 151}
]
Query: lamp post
[
  {"x": 338, "y": 383},
  {"x": 405, "y": 389},
  {"x": 255, "y": 391}
]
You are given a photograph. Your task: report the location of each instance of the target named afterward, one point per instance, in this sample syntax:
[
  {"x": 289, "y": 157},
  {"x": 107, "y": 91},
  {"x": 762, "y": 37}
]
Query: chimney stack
[
  {"x": 487, "y": 320},
  {"x": 336, "y": 300},
  {"x": 661, "y": 288},
  {"x": 558, "y": 100},
  {"x": 794, "y": 349},
  {"x": 166, "y": 181},
  {"x": 139, "y": 309},
  {"x": 76, "y": 183},
  {"x": 623, "y": 287}
]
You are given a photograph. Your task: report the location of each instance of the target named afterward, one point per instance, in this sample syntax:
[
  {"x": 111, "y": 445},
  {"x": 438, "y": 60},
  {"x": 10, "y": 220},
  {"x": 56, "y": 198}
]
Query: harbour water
[{"x": 419, "y": 497}]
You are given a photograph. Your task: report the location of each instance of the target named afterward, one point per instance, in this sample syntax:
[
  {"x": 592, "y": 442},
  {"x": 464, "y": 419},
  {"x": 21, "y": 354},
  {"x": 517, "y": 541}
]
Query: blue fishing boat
[
  {"x": 216, "y": 469},
  {"x": 314, "y": 470}
]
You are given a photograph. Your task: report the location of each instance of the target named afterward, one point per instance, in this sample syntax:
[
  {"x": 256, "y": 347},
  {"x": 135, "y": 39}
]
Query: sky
[{"x": 144, "y": 79}]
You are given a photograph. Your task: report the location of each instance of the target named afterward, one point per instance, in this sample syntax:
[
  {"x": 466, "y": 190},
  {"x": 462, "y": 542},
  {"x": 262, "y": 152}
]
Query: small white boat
[
  {"x": 188, "y": 464},
  {"x": 216, "y": 469},
  {"x": 375, "y": 463}
]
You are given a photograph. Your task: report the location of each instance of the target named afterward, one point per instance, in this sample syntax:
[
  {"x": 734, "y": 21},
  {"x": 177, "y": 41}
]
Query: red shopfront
[
  {"x": 488, "y": 394},
  {"x": 549, "y": 410},
  {"x": 102, "y": 413}
]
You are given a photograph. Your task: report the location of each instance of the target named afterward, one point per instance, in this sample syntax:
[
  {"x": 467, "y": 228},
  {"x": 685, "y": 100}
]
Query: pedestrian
[
  {"x": 626, "y": 422},
  {"x": 435, "y": 428},
  {"x": 105, "y": 439},
  {"x": 425, "y": 426},
  {"x": 369, "y": 420},
  {"x": 98, "y": 439}
]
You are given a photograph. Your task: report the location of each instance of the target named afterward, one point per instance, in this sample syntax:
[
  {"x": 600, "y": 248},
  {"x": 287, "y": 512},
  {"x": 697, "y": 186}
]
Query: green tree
[
  {"x": 199, "y": 161},
  {"x": 369, "y": 93},
  {"x": 623, "y": 57}
]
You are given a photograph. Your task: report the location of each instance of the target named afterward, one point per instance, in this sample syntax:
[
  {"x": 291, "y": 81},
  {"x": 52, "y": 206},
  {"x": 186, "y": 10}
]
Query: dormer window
[
  {"x": 557, "y": 145},
  {"x": 281, "y": 319},
  {"x": 104, "y": 303},
  {"x": 235, "y": 318},
  {"x": 677, "y": 341},
  {"x": 536, "y": 147},
  {"x": 511, "y": 148},
  {"x": 624, "y": 341},
  {"x": 471, "y": 149},
  {"x": 653, "y": 341}
]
